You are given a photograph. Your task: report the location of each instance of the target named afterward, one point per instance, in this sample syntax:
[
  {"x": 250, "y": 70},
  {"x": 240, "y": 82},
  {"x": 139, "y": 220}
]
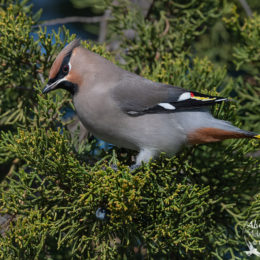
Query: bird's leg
[{"x": 145, "y": 155}]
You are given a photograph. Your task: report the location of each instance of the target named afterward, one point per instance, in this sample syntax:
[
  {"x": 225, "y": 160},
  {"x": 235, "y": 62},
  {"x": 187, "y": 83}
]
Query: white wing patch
[
  {"x": 132, "y": 112},
  {"x": 222, "y": 99},
  {"x": 167, "y": 106},
  {"x": 190, "y": 95},
  {"x": 184, "y": 96}
]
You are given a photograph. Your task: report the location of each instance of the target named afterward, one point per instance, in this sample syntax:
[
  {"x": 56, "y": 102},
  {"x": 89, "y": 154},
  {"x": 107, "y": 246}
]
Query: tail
[
  {"x": 208, "y": 135},
  {"x": 202, "y": 127},
  {"x": 219, "y": 130}
]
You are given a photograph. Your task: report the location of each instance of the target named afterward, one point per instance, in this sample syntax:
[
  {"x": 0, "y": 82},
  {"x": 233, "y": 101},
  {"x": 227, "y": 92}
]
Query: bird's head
[{"x": 62, "y": 73}]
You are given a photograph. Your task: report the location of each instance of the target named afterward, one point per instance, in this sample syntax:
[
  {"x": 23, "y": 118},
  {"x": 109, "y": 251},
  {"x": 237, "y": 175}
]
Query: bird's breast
[{"x": 103, "y": 118}]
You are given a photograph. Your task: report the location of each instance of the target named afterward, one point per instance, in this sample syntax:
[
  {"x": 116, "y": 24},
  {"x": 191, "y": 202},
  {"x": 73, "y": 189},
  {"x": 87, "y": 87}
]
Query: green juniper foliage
[{"x": 196, "y": 205}]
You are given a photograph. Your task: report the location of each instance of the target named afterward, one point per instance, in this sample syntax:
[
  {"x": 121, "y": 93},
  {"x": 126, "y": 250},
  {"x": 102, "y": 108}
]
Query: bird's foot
[
  {"x": 131, "y": 168},
  {"x": 134, "y": 167},
  {"x": 114, "y": 167}
]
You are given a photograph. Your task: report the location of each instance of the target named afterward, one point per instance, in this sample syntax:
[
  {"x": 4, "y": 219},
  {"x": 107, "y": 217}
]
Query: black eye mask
[{"x": 63, "y": 72}]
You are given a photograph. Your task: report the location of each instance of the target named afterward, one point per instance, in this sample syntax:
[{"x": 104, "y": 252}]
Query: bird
[{"x": 129, "y": 111}]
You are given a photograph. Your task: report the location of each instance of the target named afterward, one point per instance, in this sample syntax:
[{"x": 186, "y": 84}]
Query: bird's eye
[{"x": 65, "y": 68}]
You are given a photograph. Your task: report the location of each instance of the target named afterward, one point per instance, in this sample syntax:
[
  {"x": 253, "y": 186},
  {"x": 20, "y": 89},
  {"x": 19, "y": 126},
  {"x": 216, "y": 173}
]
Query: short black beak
[
  {"x": 51, "y": 86},
  {"x": 61, "y": 83},
  {"x": 46, "y": 89}
]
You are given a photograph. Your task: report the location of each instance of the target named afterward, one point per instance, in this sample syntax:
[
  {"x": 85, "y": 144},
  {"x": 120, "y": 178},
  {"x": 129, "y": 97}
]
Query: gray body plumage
[
  {"x": 113, "y": 90},
  {"x": 129, "y": 111}
]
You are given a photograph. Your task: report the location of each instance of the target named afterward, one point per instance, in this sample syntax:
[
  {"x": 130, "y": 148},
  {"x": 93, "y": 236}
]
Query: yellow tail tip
[{"x": 257, "y": 136}]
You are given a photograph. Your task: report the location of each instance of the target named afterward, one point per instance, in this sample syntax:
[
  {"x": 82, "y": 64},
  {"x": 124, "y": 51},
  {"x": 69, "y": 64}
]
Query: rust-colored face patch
[
  {"x": 56, "y": 66},
  {"x": 74, "y": 77},
  {"x": 66, "y": 51},
  {"x": 208, "y": 135}
]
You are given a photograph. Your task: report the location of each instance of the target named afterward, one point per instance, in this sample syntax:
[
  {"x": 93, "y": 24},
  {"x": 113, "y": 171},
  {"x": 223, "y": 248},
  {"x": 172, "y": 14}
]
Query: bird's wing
[{"x": 136, "y": 96}]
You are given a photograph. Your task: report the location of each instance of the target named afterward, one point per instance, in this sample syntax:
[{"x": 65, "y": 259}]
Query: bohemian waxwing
[{"x": 130, "y": 111}]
